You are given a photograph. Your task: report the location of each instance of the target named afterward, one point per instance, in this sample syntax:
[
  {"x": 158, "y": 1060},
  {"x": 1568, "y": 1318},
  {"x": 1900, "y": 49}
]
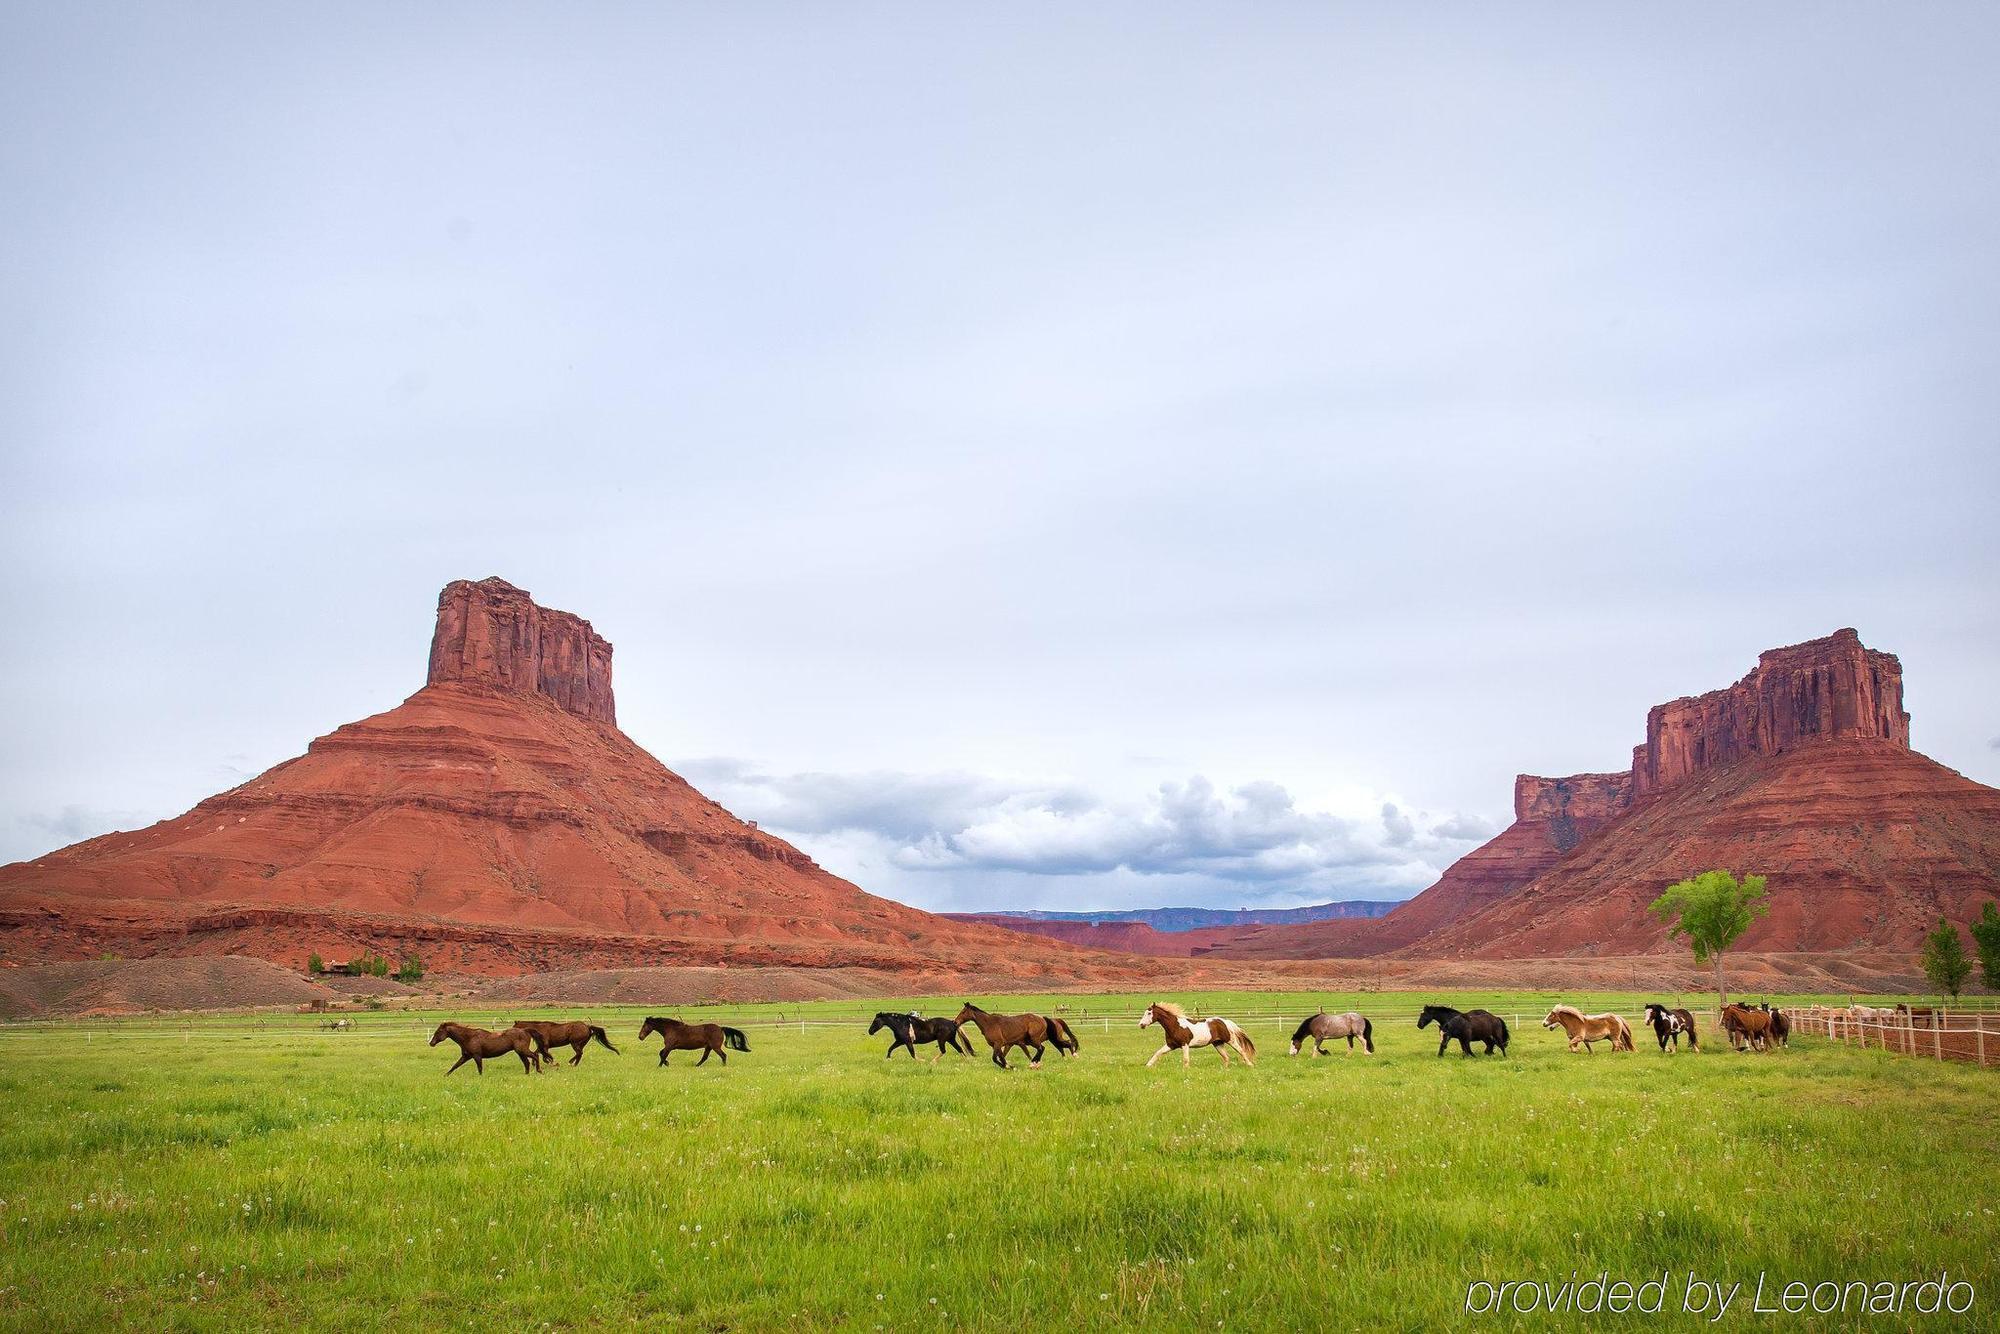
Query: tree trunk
[{"x": 1721, "y": 996}]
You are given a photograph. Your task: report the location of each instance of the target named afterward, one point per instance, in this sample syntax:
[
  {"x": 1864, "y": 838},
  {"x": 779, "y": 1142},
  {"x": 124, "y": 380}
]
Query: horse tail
[
  {"x": 1245, "y": 1045},
  {"x": 735, "y": 1039},
  {"x": 598, "y": 1033},
  {"x": 1368, "y": 1035},
  {"x": 1064, "y": 1036},
  {"x": 1504, "y": 1039}
]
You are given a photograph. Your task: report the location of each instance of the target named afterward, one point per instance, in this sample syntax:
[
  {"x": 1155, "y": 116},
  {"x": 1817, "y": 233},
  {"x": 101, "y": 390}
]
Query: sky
[{"x": 1031, "y": 456}]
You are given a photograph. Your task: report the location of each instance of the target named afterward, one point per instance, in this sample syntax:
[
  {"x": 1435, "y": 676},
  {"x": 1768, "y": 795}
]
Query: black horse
[
  {"x": 1465, "y": 1029},
  {"x": 909, "y": 1030},
  {"x": 1668, "y": 1025}
]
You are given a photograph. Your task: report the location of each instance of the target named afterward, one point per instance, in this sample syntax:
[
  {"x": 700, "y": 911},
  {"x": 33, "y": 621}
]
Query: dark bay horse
[
  {"x": 705, "y": 1038},
  {"x": 1323, "y": 1026},
  {"x": 1668, "y": 1025},
  {"x": 1030, "y": 1032},
  {"x": 908, "y": 1030},
  {"x": 1465, "y": 1029},
  {"x": 476, "y": 1044},
  {"x": 548, "y": 1033}
]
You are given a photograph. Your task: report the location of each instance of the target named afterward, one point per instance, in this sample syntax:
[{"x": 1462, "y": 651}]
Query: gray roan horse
[{"x": 1323, "y": 1026}]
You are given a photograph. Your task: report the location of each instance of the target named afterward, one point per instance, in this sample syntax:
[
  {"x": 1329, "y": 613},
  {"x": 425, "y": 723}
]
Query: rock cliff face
[
  {"x": 494, "y": 635},
  {"x": 1822, "y": 690},
  {"x": 1571, "y": 807},
  {"x": 1802, "y": 772}
]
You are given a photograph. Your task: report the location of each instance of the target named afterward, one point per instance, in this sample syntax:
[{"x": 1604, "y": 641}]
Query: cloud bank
[{"x": 967, "y": 841}]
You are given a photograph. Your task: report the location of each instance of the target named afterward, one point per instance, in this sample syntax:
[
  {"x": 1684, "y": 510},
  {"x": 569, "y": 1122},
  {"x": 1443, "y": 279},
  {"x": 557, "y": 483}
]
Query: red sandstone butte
[
  {"x": 1802, "y": 772},
  {"x": 497, "y": 821}
]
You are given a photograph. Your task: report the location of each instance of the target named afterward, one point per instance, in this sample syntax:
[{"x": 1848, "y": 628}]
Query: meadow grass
[{"x": 211, "y": 1174}]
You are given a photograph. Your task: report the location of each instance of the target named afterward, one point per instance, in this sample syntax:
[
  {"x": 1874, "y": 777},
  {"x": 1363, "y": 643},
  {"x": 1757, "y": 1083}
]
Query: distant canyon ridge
[{"x": 498, "y": 822}]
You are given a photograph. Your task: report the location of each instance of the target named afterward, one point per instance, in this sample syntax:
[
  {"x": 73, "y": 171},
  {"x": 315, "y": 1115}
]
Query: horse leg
[
  {"x": 527, "y": 1067},
  {"x": 1444, "y": 1040},
  {"x": 479, "y": 1065},
  {"x": 1165, "y": 1047},
  {"x": 462, "y": 1059},
  {"x": 578, "y": 1058},
  {"x": 663, "y": 1056},
  {"x": 1222, "y": 1050},
  {"x": 704, "y": 1055},
  {"x": 1035, "y": 1061}
]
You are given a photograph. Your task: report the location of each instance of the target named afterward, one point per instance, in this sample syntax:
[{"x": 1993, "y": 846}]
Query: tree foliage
[
  {"x": 1945, "y": 961},
  {"x": 314, "y": 964},
  {"x": 1711, "y": 910},
  {"x": 1986, "y": 941},
  {"x": 412, "y": 969}
]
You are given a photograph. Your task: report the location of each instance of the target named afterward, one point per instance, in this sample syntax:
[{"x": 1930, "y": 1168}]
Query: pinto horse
[
  {"x": 1466, "y": 1028},
  {"x": 476, "y": 1044},
  {"x": 1748, "y": 1029},
  {"x": 1584, "y": 1029},
  {"x": 1030, "y": 1032},
  {"x": 1183, "y": 1033},
  {"x": 1323, "y": 1026},
  {"x": 706, "y": 1038},
  {"x": 1668, "y": 1025},
  {"x": 547, "y": 1033},
  {"x": 908, "y": 1030}
]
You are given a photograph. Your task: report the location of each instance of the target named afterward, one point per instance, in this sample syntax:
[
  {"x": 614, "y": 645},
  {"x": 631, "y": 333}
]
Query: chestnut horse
[
  {"x": 1748, "y": 1029},
  {"x": 547, "y": 1033},
  {"x": 705, "y": 1038},
  {"x": 476, "y": 1044},
  {"x": 1030, "y": 1032},
  {"x": 1584, "y": 1029},
  {"x": 1184, "y": 1033}
]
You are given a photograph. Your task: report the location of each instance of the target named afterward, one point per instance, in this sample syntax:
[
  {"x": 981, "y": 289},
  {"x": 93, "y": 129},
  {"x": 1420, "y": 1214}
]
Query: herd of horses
[{"x": 1756, "y": 1027}]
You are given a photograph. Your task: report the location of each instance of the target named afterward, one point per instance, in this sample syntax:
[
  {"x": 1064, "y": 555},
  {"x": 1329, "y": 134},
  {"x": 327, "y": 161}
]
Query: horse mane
[
  {"x": 1305, "y": 1027},
  {"x": 1570, "y": 1010},
  {"x": 1172, "y": 1009}
]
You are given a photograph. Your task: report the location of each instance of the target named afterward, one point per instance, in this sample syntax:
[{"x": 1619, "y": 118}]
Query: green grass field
[{"x": 215, "y": 1174}]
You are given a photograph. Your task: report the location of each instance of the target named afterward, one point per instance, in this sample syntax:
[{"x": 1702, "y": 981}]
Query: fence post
[{"x": 1980, "y": 1029}]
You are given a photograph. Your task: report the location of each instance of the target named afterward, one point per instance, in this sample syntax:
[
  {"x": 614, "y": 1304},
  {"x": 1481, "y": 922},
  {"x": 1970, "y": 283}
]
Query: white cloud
[{"x": 967, "y": 840}]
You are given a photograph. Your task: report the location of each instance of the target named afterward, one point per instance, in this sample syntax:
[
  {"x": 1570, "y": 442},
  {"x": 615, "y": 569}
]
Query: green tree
[
  {"x": 412, "y": 970},
  {"x": 1945, "y": 963},
  {"x": 314, "y": 964},
  {"x": 1986, "y": 940},
  {"x": 1712, "y": 910}
]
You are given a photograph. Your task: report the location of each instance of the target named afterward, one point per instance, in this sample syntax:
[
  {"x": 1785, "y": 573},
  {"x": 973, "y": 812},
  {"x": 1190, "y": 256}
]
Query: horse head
[
  {"x": 968, "y": 1013},
  {"x": 655, "y": 1025},
  {"x": 443, "y": 1032},
  {"x": 1435, "y": 1014},
  {"x": 1554, "y": 1018},
  {"x": 881, "y": 1022},
  {"x": 1146, "y": 1019}
]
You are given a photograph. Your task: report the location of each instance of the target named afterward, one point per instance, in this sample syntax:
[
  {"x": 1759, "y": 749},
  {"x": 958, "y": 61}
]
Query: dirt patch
[
  {"x": 138, "y": 985},
  {"x": 367, "y": 986}
]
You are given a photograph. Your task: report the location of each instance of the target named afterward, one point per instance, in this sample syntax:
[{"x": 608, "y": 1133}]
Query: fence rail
[{"x": 1944, "y": 1034}]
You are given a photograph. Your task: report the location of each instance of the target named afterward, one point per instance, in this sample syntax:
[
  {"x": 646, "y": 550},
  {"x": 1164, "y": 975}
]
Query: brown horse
[
  {"x": 1030, "y": 1032},
  {"x": 1748, "y": 1029},
  {"x": 548, "y": 1033},
  {"x": 476, "y": 1044},
  {"x": 705, "y": 1038}
]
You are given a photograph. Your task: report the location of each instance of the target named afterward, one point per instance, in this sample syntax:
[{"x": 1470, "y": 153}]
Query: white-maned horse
[{"x": 1184, "y": 1033}]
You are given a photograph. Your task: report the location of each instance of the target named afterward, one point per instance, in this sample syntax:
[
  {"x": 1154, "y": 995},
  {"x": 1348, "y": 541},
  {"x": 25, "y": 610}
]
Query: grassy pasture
[{"x": 211, "y": 1174}]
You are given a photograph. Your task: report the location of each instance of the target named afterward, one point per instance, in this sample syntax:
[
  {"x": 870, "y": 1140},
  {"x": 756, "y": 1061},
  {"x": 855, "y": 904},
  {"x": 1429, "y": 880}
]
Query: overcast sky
[{"x": 1033, "y": 455}]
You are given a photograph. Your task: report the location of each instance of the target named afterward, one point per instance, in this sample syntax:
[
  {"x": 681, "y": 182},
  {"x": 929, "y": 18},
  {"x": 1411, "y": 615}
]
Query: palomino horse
[
  {"x": 1668, "y": 1025},
  {"x": 1030, "y": 1032},
  {"x": 1323, "y": 1026},
  {"x": 1748, "y": 1029},
  {"x": 908, "y": 1030},
  {"x": 1465, "y": 1029},
  {"x": 1584, "y": 1029},
  {"x": 705, "y": 1038},
  {"x": 476, "y": 1044},
  {"x": 576, "y": 1036},
  {"x": 1183, "y": 1033}
]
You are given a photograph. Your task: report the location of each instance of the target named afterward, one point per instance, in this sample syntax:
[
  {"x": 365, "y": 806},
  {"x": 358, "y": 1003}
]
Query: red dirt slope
[{"x": 495, "y": 822}]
